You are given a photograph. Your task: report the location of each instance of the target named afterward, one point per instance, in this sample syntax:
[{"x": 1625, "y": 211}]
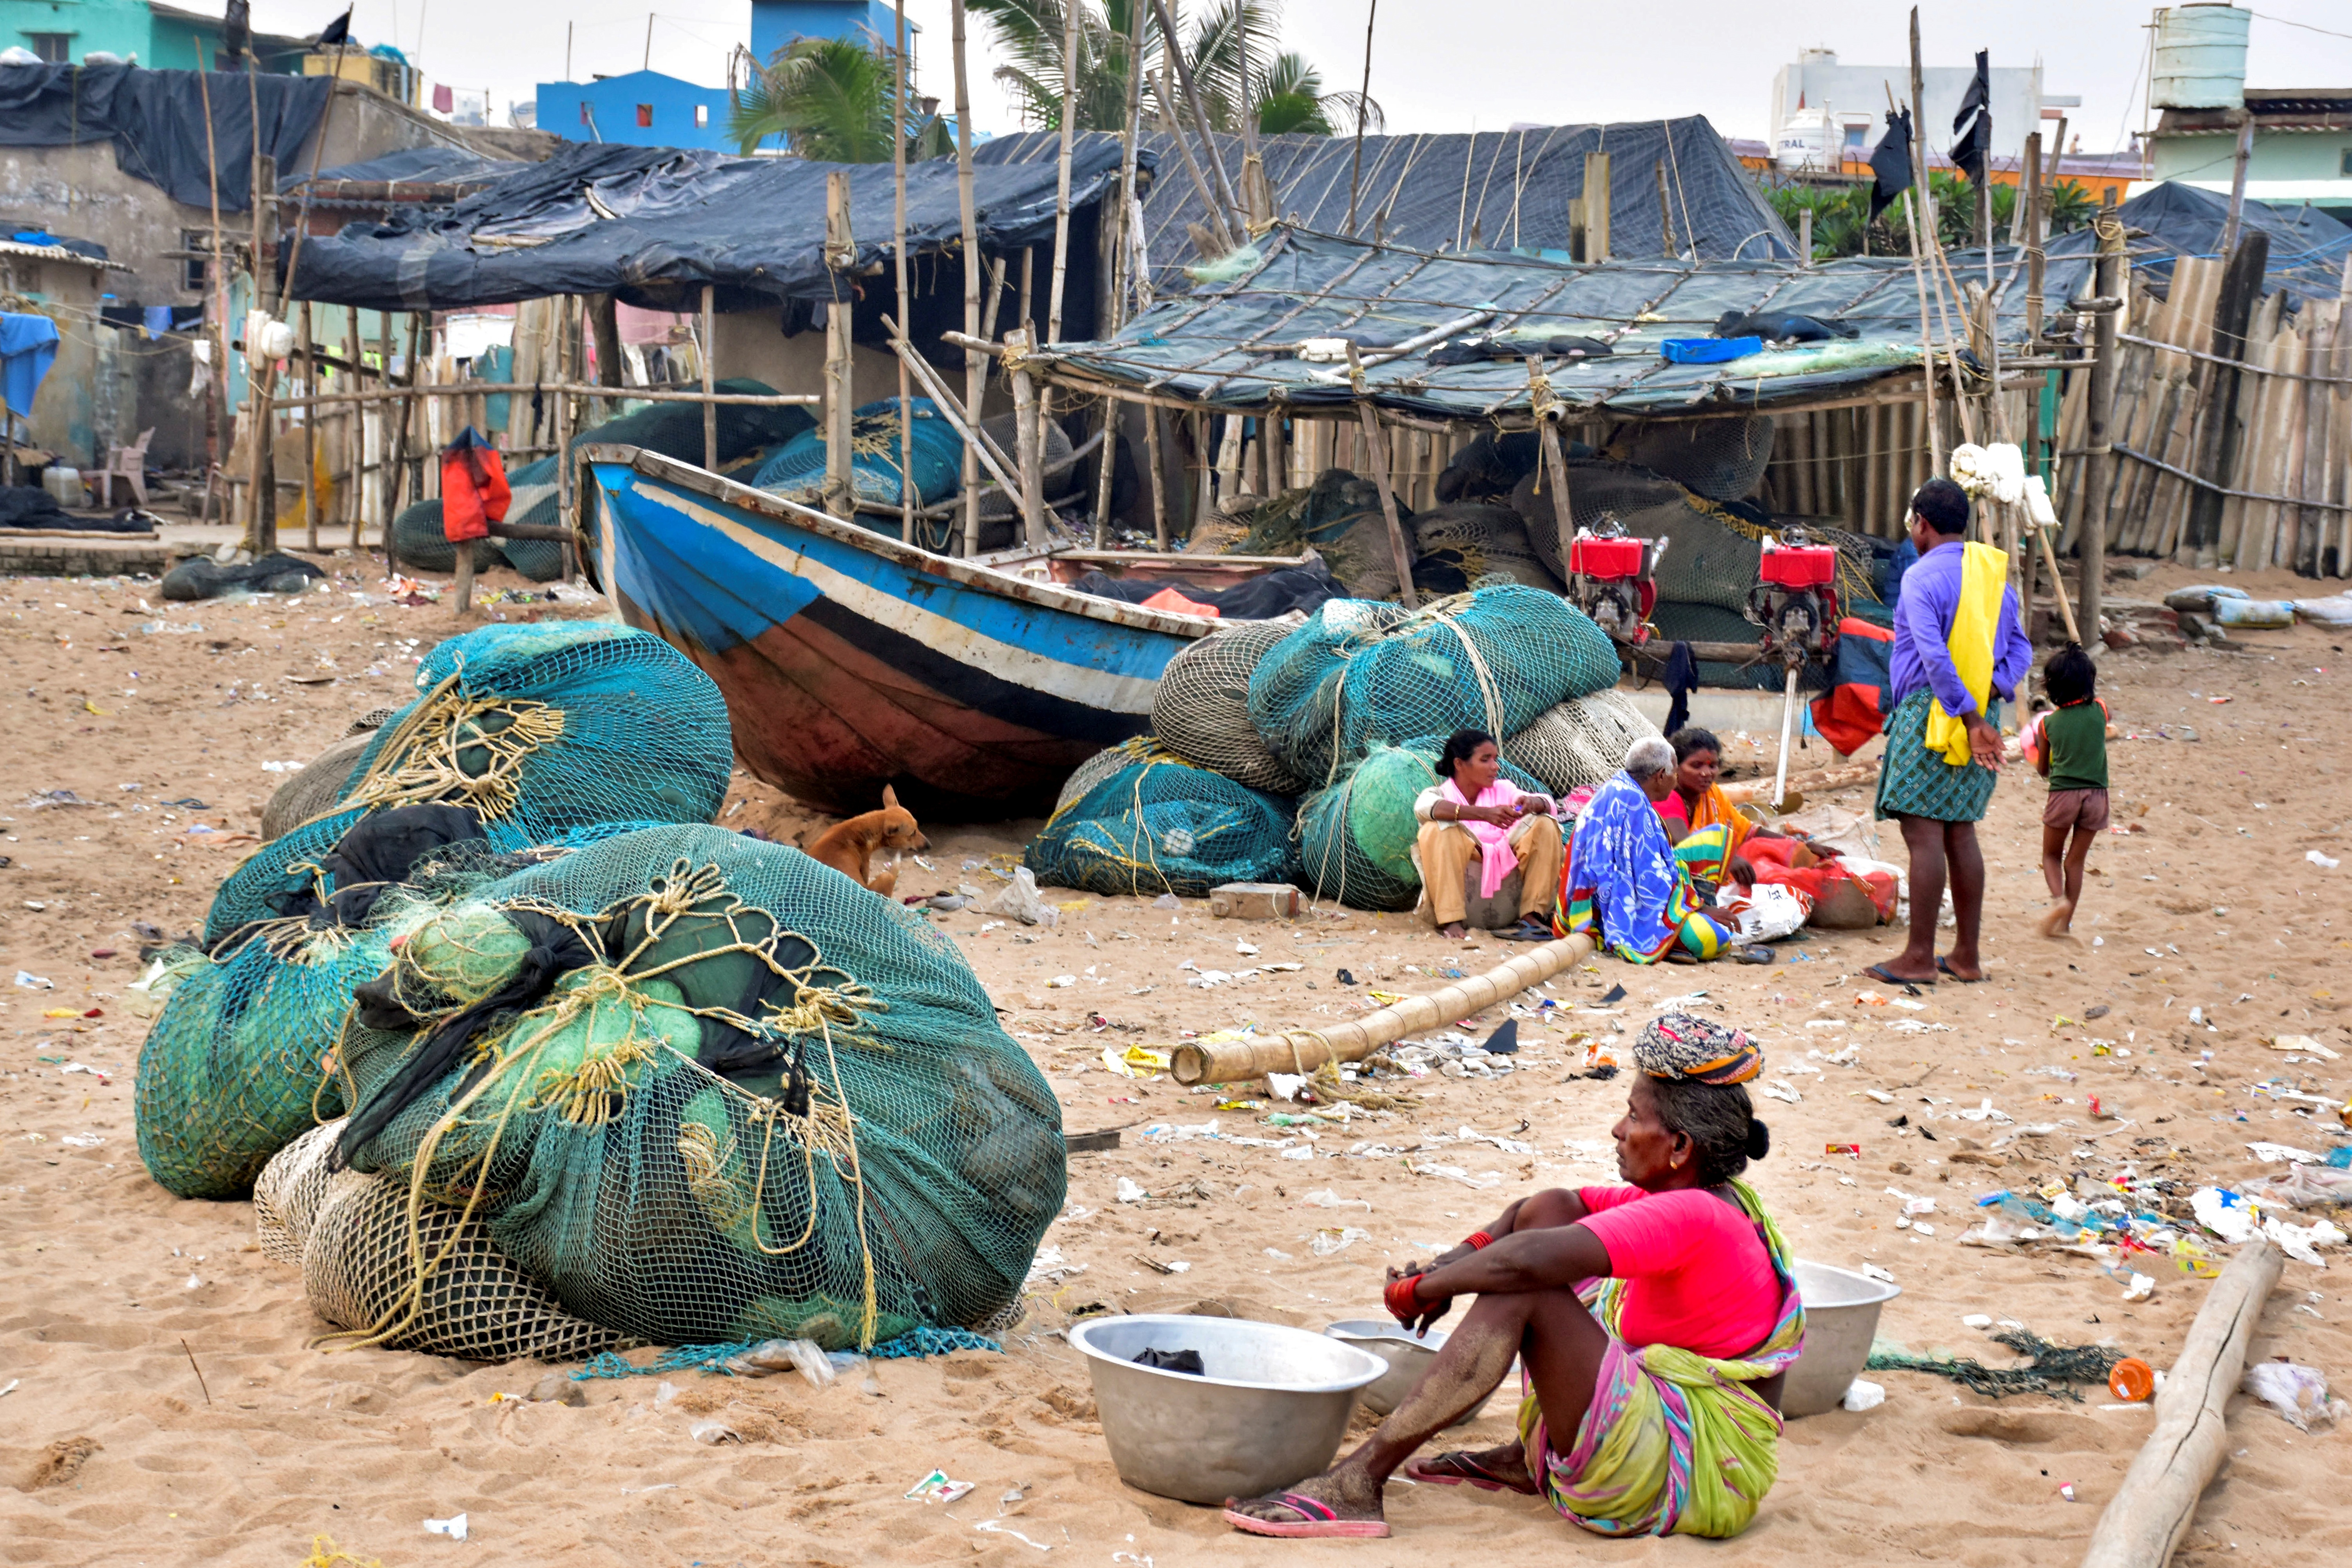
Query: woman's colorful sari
[
  {"x": 1673, "y": 1443},
  {"x": 1716, "y": 832},
  {"x": 1623, "y": 885}
]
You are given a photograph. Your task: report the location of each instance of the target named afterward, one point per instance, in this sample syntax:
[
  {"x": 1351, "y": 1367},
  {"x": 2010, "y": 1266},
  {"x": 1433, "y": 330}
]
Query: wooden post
[
  {"x": 1157, "y": 479},
  {"x": 1596, "y": 206},
  {"x": 1665, "y": 214},
  {"x": 565, "y": 481},
  {"x": 1927, "y": 343},
  {"x": 1103, "y": 472},
  {"x": 898, "y": 263},
  {"x": 1030, "y": 438},
  {"x": 1805, "y": 237},
  {"x": 2230, "y": 226},
  {"x": 1376, "y": 457},
  {"x": 710, "y": 376},
  {"x": 2098, "y": 456},
  {"x": 975, "y": 373},
  {"x": 604, "y": 321},
  {"x": 1062, "y": 173},
  {"x": 398, "y": 478},
  {"x": 1356, "y": 164},
  {"x": 840, "y": 367},
  {"x": 465, "y": 578},
  {"x": 1563, "y": 515},
  {"x": 2241, "y": 289},
  {"x": 384, "y": 436},
  {"x": 262, "y": 487},
  {"x": 309, "y": 435},
  {"x": 2152, "y": 1508}
]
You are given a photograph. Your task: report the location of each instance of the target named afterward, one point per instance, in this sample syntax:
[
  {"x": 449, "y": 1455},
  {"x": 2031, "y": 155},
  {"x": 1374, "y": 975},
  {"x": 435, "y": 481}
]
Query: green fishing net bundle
[
  {"x": 1159, "y": 825},
  {"x": 706, "y": 1089}
]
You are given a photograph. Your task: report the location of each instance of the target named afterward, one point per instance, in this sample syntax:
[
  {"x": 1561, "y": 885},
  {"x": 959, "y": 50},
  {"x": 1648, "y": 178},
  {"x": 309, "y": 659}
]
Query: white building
[{"x": 1827, "y": 116}]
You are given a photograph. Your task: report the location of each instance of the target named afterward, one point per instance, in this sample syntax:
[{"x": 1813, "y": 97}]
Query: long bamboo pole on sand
[{"x": 1304, "y": 1050}]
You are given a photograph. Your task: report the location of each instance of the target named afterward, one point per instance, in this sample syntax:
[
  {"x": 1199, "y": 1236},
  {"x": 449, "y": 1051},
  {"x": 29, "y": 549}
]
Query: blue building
[
  {"x": 641, "y": 108},
  {"x": 776, "y": 23}
]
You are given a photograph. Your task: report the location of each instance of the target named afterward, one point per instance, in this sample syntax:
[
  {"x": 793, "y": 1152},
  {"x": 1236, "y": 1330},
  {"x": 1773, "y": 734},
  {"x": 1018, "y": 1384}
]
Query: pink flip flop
[{"x": 1315, "y": 1521}]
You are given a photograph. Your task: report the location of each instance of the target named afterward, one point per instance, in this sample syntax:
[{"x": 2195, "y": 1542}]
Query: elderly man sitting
[{"x": 1624, "y": 886}]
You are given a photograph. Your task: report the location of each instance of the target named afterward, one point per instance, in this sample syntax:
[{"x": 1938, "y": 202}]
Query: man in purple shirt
[{"x": 1938, "y": 805}]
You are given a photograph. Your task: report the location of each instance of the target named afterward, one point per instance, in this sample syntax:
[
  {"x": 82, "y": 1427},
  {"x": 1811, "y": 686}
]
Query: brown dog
[{"x": 848, "y": 847}]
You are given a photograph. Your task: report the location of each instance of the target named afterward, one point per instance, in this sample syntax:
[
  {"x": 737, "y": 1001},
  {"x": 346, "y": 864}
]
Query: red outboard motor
[
  {"x": 1611, "y": 577},
  {"x": 1795, "y": 600}
]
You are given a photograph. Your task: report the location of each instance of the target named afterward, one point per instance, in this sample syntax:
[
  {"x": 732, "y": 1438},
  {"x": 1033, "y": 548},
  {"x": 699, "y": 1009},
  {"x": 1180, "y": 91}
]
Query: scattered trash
[
  {"x": 2050, "y": 1368},
  {"x": 2131, "y": 1380},
  {"x": 1977, "y": 1320},
  {"x": 2301, "y": 1242},
  {"x": 2304, "y": 1044},
  {"x": 1863, "y": 1395},
  {"x": 1019, "y": 901},
  {"x": 937, "y": 1488},
  {"x": 1330, "y": 1241},
  {"x": 995, "y": 1528},
  {"x": 2224, "y": 1213},
  {"x": 455, "y": 1528},
  {"x": 2298, "y": 1392},
  {"x": 35, "y": 982},
  {"x": 2324, "y": 862},
  {"x": 1128, "y": 1192},
  {"x": 712, "y": 1430},
  {"x": 2272, "y": 1154},
  {"x": 2066, "y": 1490},
  {"x": 1327, "y": 1197},
  {"x": 1873, "y": 1271},
  {"x": 2141, "y": 1288}
]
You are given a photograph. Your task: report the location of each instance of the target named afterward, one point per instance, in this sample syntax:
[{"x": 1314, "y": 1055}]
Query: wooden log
[
  {"x": 2151, "y": 1510},
  {"x": 1027, "y": 424},
  {"x": 1304, "y": 1050}
]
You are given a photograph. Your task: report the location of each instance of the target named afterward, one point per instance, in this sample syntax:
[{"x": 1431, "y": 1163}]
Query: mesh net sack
[
  {"x": 313, "y": 789},
  {"x": 1712, "y": 553},
  {"x": 1579, "y": 742},
  {"x": 796, "y": 471},
  {"x": 418, "y": 538},
  {"x": 287, "y": 1194},
  {"x": 1491, "y": 659},
  {"x": 1102, "y": 765},
  {"x": 234, "y": 1067},
  {"x": 711, "y": 1092},
  {"x": 1722, "y": 458},
  {"x": 1163, "y": 826},
  {"x": 538, "y": 728},
  {"x": 1202, "y": 707},
  {"x": 363, "y": 1257}
]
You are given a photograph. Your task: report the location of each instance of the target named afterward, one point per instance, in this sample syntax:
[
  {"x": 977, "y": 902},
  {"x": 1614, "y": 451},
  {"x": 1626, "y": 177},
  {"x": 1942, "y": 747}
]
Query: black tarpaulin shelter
[
  {"x": 1506, "y": 189},
  {"x": 2307, "y": 246},
  {"x": 156, "y": 122},
  {"x": 1235, "y": 345},
  {"x": 655, "y": 224},
  {"x": 421, "y": 167}
]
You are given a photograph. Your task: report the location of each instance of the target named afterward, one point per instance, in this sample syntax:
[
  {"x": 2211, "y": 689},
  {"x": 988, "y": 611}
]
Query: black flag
[
  {"x": 1975, "y": 139},
  {"x": 1890, "y": 163},
  {"x": 335, "y": 33},
  {"x": 237, "y": 32}
]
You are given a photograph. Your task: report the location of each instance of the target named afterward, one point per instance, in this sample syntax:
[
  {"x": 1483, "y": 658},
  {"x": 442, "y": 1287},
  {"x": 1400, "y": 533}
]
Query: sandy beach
[{"x": 160, "y": 1402}]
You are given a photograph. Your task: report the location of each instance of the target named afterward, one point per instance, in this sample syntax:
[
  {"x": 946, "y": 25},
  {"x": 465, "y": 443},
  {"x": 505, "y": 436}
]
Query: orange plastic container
[{"x": 2131, "y": 1380}]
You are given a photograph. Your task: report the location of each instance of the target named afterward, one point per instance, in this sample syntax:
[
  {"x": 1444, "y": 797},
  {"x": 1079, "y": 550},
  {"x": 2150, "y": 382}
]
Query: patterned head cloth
[{"x": 1676, "y": 1045}]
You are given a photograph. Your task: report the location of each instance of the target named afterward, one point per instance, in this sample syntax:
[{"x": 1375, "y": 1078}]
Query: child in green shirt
[{"x": 2071, "y": 754}]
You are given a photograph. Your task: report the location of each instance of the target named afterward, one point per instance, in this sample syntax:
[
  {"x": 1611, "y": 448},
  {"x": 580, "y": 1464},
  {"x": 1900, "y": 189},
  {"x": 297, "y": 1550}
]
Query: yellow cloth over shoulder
[{"x": 1975, "y": 622}]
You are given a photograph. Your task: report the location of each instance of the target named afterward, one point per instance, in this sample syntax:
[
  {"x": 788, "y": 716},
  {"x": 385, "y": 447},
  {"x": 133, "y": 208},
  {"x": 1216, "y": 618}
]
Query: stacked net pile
[
  {"x": 1722, "y": 458},
  {"x": 538, "y": 730},
  {"x": 1358, "y": 675},
  {"x": 1356, "y": 838},
  {"x": 1201, "y": 709},
  {"x": 796, "y": 471},
  {"x": 1102, "y": 764},
  {"x": 705, "y": 1089},
  {"x": 1579, "y": 742},
  {"x": 348, "y": 1233},
  {"x": 1162, "y": 826},
  {"x": 313, "y": 789},
  {"x": 1472, "y": 544},
  {"x": 1340, "y": 518}
]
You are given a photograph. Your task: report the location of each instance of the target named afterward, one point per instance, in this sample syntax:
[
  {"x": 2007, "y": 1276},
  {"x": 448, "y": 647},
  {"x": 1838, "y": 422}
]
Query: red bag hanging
[{"x": 473, "y": 492}]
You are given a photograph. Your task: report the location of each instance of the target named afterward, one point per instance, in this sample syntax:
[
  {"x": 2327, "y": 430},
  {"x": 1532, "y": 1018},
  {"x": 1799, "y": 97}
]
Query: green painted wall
[
  {"x": 2300, "y": 155},
  {"x": 117, "y": 26}
]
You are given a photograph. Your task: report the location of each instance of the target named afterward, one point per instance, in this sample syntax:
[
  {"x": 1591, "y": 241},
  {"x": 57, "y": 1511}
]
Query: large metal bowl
[
  {"x": 1270, "y": 1410},
  {"x": 1840, "y": 1319}
]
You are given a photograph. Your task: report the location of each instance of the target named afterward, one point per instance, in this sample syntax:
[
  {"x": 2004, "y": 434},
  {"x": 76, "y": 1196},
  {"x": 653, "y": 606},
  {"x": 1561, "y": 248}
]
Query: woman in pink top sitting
[
  {"x": 1474, "y": 816},
  {"x": 1654, "y": 1324}
]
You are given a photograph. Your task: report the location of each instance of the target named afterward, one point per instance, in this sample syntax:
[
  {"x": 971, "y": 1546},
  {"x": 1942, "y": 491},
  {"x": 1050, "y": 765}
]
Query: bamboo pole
[
  {"x": 1215, "y": 220},
  {"x": 1070, "y": 14},
  {"x": 975, "y": 440},
  {"x": 975, "y": 366},
  {"x": 566, "y": 481},
  {"x": 1029, "y": 435},
  {"x": 840, "y": 363},
  {"x": 1304, "y": 1050},
  {"x": 709, "y": 381},
  {"x": 398, "y": 478},
  {"x": 1377, "y": 454},
  {"x": 2151, "y": 1510},
  {"x": 309, "y": 437},
  {"x": 1356, "y": 164},
  {"x": 260, "y": 374},
  {"x": 2098, "y": 460},
  {"x": 1158, "y": 480},
  {"x": 1174, "y": 51},
  {"x": 899, "y": 264},
  {"x": 1122, "y": 258}
]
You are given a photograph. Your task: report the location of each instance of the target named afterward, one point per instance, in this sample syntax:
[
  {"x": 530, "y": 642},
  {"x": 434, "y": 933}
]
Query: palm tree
[
  {"x": 1284, "y": 91},
  {"x": 829, "y": 100}
]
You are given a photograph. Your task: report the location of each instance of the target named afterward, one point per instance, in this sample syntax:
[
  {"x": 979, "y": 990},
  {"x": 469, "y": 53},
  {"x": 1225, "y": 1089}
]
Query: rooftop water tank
[{"x": 2201, "y": 57}]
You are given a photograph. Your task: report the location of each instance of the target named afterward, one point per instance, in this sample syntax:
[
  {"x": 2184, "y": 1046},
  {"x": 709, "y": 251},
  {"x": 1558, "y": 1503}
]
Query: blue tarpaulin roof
[{"x": 1232, "y": 344}]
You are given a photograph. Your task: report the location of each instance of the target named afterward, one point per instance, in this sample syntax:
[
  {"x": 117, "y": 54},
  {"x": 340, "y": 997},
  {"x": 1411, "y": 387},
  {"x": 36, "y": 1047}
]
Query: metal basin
[
  {"x": 1840, "y": 1319},
  {"x": 1270, "y": 1411},
  {"x": 1408, "y": 1356}
]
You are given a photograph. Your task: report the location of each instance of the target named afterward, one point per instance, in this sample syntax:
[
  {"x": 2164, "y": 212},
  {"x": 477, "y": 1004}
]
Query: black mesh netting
[
  {"x": 1340, "y": 518},
  {"x": 1711, "y": 554},
  {"x": 539, "y": 730},
  {"x": 1474, "y": 544},
  {"x": 1721, "y": 458},
  {"x": 1201, "y": 710},
  {"x": 1161, "y": 825},
  {"x": 1579, "y": 742},
  {"x": 1358, "y": 674},
  {"x": 744, "y": 1098}
]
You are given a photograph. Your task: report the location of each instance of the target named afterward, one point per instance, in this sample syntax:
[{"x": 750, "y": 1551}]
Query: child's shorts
[{"x": 2083, "y": 810}]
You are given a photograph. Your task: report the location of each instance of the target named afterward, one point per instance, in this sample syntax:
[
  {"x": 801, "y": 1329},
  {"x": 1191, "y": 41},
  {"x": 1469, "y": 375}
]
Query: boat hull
[{"x": 849, "y": 661}]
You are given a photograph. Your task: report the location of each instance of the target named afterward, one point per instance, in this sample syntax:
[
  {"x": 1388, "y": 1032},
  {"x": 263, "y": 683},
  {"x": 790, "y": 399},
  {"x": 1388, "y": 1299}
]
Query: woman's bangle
[
  {"x": 1477, "y": 1241},
  {"x": 1401, "y": 1300}
]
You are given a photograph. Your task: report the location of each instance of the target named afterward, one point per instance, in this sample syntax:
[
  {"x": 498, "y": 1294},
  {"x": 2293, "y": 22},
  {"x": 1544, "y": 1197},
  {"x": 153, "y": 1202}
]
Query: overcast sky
[{"x": 1437, "y": 64}]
